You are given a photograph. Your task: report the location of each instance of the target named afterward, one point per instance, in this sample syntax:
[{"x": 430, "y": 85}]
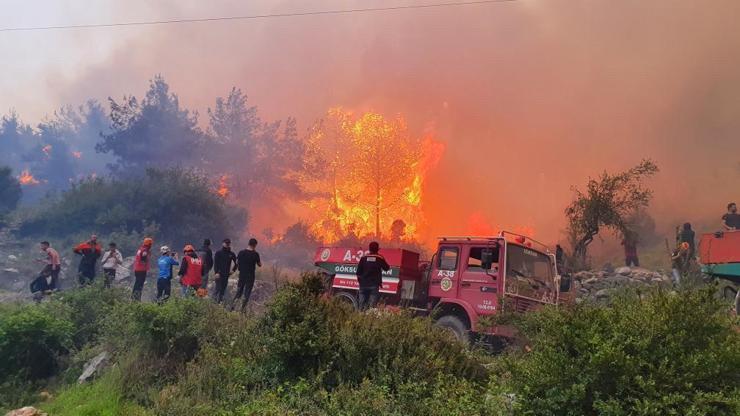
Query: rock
[
  {"x": 583, "y": 275},
  {"x": 590, "y": 281},
  {"x": 26, "y": 411},
  {"x": 12, "y": 257},
  {"x": 603, "y": 294},
  {"x": 624, "y": 271},
  {"x": 45, "y": 396},
  {"x": 11, "y": 270},
  {"x": 93, "y": 366},
  {"x": 608, "y": 268}
]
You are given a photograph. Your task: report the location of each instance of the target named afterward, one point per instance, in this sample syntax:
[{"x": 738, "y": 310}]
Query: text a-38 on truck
[{"x": 467, "y": 278}]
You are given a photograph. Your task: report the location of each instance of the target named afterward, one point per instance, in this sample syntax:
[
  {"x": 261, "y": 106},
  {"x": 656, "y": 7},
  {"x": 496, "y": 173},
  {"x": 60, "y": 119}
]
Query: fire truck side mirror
[{"x": 486, "y": 258}]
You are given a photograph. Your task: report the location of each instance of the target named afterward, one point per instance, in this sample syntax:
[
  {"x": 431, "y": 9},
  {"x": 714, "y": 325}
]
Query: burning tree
[
  {"x": 366, "y": 173},
  {"x": 609, "y": 201}
]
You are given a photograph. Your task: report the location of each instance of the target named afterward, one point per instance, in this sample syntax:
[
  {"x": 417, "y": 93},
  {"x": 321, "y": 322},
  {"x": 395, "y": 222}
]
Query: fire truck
[
  {"x": 719, "y": 257},
  {"x": 466, "y": 279}
]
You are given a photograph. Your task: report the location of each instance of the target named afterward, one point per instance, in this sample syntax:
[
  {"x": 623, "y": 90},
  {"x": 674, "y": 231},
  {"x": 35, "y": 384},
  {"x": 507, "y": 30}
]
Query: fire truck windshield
[{"x": 529, "y": 272}]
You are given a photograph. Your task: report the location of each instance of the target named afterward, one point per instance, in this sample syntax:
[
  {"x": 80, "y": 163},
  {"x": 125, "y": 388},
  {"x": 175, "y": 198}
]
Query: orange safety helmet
[
  {"x": 148, "y": 241},
  {"x": 188, "y": 247}
]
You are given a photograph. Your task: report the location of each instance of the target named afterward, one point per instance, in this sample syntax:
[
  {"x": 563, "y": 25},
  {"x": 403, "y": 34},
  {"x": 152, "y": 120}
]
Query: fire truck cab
[{"x": 466, "y": 279}]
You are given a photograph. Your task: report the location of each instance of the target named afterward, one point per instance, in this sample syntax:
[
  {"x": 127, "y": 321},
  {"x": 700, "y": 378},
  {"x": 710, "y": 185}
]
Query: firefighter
[
  {"x": 90, "y": 252},
  {"x": 206, "y": 257},
  {"x": 165, "y": 262},
  {"x": 370, "y": 276},
  {"x": 191, "y": 271},
  {"x": 222, "y": 268},
  {"x": 141, "y": 267},
  {"x": 247, "y": 260},
  {"x": 680, "y": 262}
]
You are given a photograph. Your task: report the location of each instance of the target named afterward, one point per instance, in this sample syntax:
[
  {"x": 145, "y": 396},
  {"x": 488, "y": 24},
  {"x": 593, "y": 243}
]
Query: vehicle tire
[
  {"x": 348, "y": 298},
  {"x": 456, "y": 326}
]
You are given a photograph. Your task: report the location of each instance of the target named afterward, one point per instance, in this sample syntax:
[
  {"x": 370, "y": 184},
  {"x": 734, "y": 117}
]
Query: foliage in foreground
[
  {"x": 655, "y": 354},
  {"x": 651, "y": 354}
]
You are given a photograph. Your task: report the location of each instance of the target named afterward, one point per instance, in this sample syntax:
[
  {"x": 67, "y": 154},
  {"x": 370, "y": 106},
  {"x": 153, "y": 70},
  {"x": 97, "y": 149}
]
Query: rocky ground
[{"x": 600, "y": 285}]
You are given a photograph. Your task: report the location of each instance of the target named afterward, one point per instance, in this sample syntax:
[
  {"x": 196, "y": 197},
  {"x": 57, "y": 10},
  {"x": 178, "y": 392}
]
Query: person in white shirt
[{"x": 111, "y": 259}]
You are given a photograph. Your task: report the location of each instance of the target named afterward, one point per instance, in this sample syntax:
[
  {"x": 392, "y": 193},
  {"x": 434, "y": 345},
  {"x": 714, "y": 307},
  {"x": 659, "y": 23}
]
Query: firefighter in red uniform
[
  {"x": 141, "y": 267},
  {"x": 191, "y": 271}
]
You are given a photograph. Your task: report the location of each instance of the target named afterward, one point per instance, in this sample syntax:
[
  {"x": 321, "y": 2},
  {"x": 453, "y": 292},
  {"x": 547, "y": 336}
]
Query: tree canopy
[{"x": 609, "y": 201}]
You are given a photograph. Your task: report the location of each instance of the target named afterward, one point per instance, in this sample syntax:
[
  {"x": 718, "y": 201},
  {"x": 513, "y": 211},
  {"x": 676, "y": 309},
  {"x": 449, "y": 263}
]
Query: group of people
[
  {"x": 194, "y": 268},
  {"x": 683, "y": 255}
]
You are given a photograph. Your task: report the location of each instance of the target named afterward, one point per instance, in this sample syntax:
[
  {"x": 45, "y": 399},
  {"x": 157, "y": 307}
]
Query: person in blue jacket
[{"x": 165, "y": 262}]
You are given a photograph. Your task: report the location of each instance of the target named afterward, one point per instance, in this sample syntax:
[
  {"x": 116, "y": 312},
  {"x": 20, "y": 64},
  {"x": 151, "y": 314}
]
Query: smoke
[{"x": 530, "y": 97}]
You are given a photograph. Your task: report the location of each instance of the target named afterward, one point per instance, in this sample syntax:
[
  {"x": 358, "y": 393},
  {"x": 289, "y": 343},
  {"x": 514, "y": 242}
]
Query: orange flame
[
  {"x": 26, "y": 178},
  {"x": 77, "y": 155},
  {"x": 223, "y": 189},
  {"x": 372, "y": 176},
  {"x": 47, "y": 150}
]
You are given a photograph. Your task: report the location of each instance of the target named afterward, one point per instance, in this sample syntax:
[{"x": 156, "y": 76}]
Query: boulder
[
  {"x": 12, "y": 257},
  {"x": 624, "y": 271},
  {"x": 94, "y": 366},
  {"x": 590, "y": 281},
  {"x": 603, "y": 294},
  {"x": 26, "y": 411}
]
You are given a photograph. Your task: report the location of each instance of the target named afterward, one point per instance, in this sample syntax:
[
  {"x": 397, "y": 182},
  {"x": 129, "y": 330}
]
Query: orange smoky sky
[{"x": 529, "y": 97}]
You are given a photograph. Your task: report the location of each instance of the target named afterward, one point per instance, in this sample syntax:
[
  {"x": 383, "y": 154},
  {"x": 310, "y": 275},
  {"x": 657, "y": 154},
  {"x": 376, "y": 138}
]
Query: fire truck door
[
  {"x": 478, "y": 287},
  {"x": 445, "y": 277}
]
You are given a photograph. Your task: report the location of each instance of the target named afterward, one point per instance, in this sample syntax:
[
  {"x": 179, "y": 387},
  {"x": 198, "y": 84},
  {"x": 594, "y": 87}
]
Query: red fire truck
[{"x": 466, "y": 279}]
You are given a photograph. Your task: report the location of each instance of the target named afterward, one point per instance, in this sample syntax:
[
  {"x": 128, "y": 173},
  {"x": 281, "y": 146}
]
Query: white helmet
[{"x": 164, "y": 249}]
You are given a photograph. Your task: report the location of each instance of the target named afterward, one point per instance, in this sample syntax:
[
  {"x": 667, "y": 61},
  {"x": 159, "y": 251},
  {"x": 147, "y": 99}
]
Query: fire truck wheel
[
  {"x": 349, "y": 298},
  {"x": 456, "y": 326}
]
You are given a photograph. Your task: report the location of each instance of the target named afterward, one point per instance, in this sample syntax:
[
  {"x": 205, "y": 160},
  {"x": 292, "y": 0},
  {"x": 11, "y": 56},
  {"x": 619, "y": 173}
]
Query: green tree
[
  {"x": 609, "y": 201},
  {"x": 10, "y": 191},
  {"x": 156, "y": 132}
]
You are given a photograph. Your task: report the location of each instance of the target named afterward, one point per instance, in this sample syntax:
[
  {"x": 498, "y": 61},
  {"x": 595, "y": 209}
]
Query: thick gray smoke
[{"x": 531, "y": 97}]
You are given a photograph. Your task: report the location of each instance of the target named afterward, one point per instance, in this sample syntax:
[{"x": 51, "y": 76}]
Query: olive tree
[{"x": 609, "y": 201}]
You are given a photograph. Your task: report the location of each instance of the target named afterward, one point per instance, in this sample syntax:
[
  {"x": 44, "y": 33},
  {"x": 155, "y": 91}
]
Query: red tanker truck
[{"x": 466, "y": 279}]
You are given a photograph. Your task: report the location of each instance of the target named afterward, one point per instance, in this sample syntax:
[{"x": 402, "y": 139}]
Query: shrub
[
  {"x": 180, "y": 203},
  {"x": 32, "y": 338},
  {"x": 100, "y": 398},
  {"x": 663, "y": 353},
  {"x": 90, "y": 308},
  {"x": 392, "y": 349}
]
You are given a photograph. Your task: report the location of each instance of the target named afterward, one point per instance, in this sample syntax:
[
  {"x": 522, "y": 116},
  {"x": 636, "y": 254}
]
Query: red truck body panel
[{"x": 720, "y": 248}]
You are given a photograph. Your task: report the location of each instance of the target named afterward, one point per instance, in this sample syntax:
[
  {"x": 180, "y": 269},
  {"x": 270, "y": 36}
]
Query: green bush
[
  {"x": 180, "y": 203},
  {"x": 656, "y": 354},
  {"x": 32, "y": 339},
  {"x": 90, "y": 307},
  {"x": 100, "y": 398}
]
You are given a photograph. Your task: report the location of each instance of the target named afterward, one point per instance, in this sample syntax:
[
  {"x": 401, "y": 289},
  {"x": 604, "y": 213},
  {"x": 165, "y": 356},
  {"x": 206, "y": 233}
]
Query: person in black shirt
[
  {"x": 370, "y": 276},
  {"x": 206, "y": 256},
  {"x": 731, "y": 220},
  {"x": 222, "y": 268},
  {"x": 247, "y": 260}
]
